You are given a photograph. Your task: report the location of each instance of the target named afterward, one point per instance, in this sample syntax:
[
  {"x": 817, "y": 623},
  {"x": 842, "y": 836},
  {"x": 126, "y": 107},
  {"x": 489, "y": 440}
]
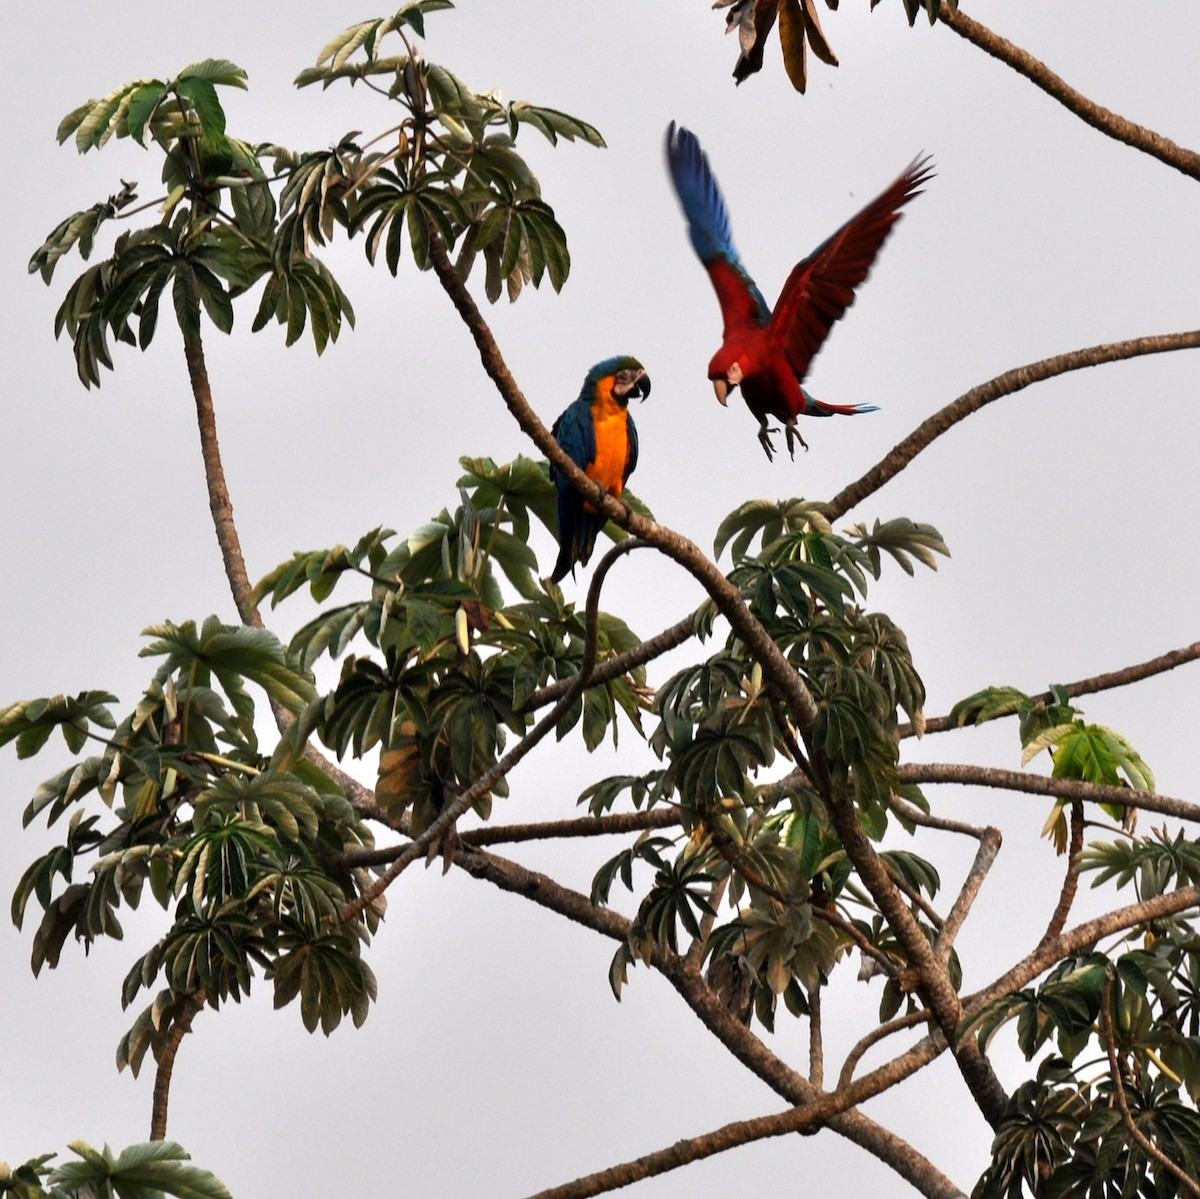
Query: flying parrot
[
  {"x": 769, "y": 353},
  {"x": 599, "y": 436}
]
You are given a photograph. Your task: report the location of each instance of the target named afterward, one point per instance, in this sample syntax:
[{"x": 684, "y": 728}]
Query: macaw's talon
[
  {"x": 764, "y": 437},
  {"x": 793, "y": 436}
]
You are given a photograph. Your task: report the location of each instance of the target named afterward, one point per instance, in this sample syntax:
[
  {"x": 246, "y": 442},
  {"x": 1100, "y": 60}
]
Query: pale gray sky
[{"x": 496, "y": 1061}]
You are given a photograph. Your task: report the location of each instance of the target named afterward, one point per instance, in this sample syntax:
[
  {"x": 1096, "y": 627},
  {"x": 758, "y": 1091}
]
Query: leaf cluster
[
  {"x": 177, "y": 798},
  {"x": 450, "y": 173},
  {"x": 452, "y": 663}
]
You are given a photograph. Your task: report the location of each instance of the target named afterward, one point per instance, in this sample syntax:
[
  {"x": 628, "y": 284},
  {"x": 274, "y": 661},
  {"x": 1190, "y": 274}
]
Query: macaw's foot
[
  {"x": 793, "y": 436},
  {"x": 764, "y": 437}
]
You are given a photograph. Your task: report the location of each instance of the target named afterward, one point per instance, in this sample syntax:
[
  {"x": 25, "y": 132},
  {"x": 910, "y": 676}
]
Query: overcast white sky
[{"x": 496, "y": 1061}]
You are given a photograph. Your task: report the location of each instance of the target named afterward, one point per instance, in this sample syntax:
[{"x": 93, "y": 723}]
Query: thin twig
[
  {"x": 1146, "y": 1145},
  {"x": 921, "y": 1016},
  {"x": 910, "y": 812},
  {"x": 1066, "y": 896},
  {"x": 1088, "y": 111},
  {"x": 989, "y": 847},
  {"x": 816, "y": 1043},
  {"x": 1002, "y": 385}
]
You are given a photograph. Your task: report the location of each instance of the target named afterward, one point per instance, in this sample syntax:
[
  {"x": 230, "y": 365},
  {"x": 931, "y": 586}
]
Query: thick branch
[
  {"x": 1006, "y": 384},
  {"x": 934, "y": 979},
  {"x": 1039, "y": 784},
  {"x": 1098, "y": 682},
  {"x": 160, "y": 1101},
  {"x": 1083, "y": 936},
  {"x": 880, "y": 1142},
  {"x": 1088, "y": 111}
]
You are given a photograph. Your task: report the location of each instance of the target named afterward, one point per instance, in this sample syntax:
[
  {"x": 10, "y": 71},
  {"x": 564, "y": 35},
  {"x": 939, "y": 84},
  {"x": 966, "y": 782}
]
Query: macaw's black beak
[{"x": 641, "y": 388}]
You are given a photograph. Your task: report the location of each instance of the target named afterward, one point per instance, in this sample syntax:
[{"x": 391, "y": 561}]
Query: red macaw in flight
[
  {"x": 600, "y": 437},
  {"x": 767, "y": 352}
]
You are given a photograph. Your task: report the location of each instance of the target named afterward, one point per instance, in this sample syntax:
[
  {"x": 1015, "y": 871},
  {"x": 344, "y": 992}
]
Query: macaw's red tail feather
[{"x": 815, "y": 407}]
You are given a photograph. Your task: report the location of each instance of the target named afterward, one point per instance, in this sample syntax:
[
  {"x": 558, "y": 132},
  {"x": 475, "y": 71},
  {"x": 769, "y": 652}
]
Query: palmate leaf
[
  {"x": 79, "y": 229},
  {"x": 231, "y": 653},
  {"x": 31, "y": 722},
  {"x": 552, "y": 123},
  {"x": 904, "y": 540},
  {"x": 768, "y": 520},
  {"x": 329, "y": 975},
  {"x": 987, "y": 704},
  {"x": 138, "y": 1172}
]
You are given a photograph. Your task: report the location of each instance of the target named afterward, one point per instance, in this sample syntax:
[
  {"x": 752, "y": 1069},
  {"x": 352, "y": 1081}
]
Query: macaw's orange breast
[{"x": 611, "y": 420}]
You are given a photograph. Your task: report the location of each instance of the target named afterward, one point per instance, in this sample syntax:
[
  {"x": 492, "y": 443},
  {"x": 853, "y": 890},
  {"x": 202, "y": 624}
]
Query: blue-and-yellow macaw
[
  {"x": 767, "y": 352},
  {"x": 599, "y": 436}
]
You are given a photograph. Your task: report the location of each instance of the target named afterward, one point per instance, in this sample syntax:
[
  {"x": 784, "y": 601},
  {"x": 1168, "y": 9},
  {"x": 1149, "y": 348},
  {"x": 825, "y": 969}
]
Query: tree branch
[
  {"x": 1147, "y": 1146},
  {"x": 1098, "y": 682},
  {"x": 191, "y": 1004},
  {"x": 219, "y": 503},
  {"x": 898, "y": 1154},
  {"x": 481, "y": 786},
  {"x": 1066, "y": 896},
  {"x": 989, "y": 847},
  {"x": 621, "y": 664},
  {"x": 1083, "y": 936},
  {"x": 1088, "y": 111},
  {"x": 1002, "y": 385},
  {"x": 1039, "y": 784},
  {"x": 921, "y": 1016}
]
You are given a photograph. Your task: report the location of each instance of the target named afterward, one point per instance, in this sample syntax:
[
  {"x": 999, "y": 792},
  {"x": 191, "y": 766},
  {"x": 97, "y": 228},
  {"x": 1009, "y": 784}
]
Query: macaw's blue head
[{"x": 624, "y": 375}]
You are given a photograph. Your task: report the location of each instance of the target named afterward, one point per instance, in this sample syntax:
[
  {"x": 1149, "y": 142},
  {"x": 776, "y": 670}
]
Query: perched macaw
[
  {"x": 769, "y": 353},
  {"x": 600, "y": 437}
]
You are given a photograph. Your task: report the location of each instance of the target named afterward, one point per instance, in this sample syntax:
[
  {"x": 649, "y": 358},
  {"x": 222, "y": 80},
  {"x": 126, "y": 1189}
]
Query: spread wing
[
  {"x": 708, "y": 226},
  {"x": 821, "y": 288}
]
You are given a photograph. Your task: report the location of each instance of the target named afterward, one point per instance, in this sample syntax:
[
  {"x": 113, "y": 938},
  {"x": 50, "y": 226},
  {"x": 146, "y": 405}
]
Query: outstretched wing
[
  {"x": 708, "y": 226},
  {"x": 821, "y": 288}
]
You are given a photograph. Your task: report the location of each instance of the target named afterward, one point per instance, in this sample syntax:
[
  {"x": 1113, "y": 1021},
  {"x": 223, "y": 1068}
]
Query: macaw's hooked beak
[
  {"x": 722, "y": 389},
  {"x": 632, "y": 383}
]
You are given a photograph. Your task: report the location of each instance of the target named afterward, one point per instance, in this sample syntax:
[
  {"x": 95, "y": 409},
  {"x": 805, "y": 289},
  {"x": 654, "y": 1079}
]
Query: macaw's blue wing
[
  {"x": 709, "y": 229},
  {"x": 575, "y": 431}
]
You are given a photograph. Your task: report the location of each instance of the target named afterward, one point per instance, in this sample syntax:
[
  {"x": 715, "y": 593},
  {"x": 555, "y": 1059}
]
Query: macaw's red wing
[{"x": 821, "y": 288}]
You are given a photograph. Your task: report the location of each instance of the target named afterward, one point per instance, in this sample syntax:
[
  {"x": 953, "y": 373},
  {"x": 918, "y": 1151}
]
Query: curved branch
[
  {"x": 994, "y": 389},
  {"x": 485, "y": 782},
  {"x": 1098, "y": 682},
  {"x": 921, "y": 1016},
  {"x": 910, "y": 812},
  {"x": 1143, "y": 1142},
  {"x": 1088, "y": 111},
  {"x": 989, "y": 847},
  {"x": 1039, "y": 784},
  {"x": 898, "y": 1154},
  {"x": 1083, "y": 936}
]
